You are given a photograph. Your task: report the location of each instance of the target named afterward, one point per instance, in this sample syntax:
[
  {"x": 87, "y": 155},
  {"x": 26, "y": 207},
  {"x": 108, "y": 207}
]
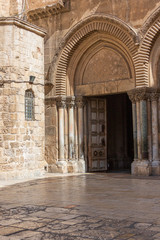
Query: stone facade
[
  {"x": 92, "y": 50},
  {"x": 22, "y": 141}
]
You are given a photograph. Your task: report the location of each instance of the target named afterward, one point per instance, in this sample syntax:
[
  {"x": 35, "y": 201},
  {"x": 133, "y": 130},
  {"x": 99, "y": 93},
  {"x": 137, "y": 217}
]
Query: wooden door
[{"x": 97, "y": 149}]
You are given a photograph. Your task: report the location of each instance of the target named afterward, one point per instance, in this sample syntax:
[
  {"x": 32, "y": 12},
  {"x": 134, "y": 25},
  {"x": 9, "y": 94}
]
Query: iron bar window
[{"x": 29, "y": 105}]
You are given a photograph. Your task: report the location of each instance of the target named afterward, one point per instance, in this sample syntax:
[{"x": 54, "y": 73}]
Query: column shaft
[
  {"x": 80, "y": 106},
  {"x": 134, "y": 117},
  {"x": 155, "y": 130},
  {"x": 61, "y": 133},
  {"x": 71, "y": 143},
  {"x": 76, "y": 132},
  {"x": 144, "y": 128},
  {"x": 138, "y": 131},
  {"x": 81, "y": 133},
  {"x": 61, "y": 103}
]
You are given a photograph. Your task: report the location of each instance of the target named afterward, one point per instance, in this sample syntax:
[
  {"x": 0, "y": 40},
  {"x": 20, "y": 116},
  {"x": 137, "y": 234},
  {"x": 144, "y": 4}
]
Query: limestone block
[{"x": 141, "y": 168}]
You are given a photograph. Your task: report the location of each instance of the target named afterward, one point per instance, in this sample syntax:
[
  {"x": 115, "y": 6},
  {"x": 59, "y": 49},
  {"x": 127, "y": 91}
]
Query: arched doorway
[
  {"x": 96, "y": 62},
  {"x": 103, "y": 74}
]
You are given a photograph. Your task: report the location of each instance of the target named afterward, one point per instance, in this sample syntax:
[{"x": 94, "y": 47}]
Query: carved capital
[
  {"x": 132, "y": 97},
  {"x": 61, "y": 102},
  {"x": 145, "y": 93},
  {"x": 139, "y": 94},
  {"x": 70, "y": 101},
  {"x": 154, "y": 96},
  {"x": 80, "y": 102}
]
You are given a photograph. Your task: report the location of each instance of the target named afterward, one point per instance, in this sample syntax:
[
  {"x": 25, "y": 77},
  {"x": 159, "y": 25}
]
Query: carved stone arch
[
  {"x": 95, "y": 23},
  {"x": 150, "y": 32},
  {"x": 154, "y": 65},
  {"x": 104, "y": 46}
]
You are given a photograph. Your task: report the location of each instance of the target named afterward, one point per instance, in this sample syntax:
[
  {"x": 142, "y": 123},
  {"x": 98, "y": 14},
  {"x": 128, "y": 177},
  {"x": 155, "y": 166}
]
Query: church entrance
[{"x": 110, "y": 139}]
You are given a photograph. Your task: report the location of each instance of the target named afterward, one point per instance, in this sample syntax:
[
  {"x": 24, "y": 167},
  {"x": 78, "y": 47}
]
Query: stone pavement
[{"x": 88, "y": 207}]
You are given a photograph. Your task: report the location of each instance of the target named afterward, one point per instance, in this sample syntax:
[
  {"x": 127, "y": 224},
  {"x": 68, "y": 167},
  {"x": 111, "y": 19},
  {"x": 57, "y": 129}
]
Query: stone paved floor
[{"x": 90, "y": 206}]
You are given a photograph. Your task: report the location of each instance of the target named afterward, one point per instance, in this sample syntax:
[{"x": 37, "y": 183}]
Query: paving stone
[
  {"x": 77, "y": 215},
  {"x": 29, "y": 225},
  {"x": 4, "y": 231},
  {"x": 8, "y": 222},
  {"x": 142, "y": 225}
]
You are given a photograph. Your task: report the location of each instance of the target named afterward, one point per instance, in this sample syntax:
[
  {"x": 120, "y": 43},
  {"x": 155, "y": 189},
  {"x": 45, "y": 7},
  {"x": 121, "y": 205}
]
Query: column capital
[
  {"x": 80, "y": 102},
  {"x": 70, "y": 101},
  {"x": 61, "y": 101},
  {"x": 143, "y": 93},
  {"x": 154, "y": 96}
]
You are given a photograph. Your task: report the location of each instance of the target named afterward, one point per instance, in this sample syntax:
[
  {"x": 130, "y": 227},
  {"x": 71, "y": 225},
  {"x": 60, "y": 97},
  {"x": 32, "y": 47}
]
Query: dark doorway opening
[{"x": 119, "y": 133}]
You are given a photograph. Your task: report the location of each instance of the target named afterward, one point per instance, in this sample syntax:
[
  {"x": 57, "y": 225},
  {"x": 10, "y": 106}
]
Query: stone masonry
[{"x": 21, "y": 141}]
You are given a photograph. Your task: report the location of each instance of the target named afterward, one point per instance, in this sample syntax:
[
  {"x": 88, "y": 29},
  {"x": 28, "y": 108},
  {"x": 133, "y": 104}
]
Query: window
[{"x": 29, "y": 105}]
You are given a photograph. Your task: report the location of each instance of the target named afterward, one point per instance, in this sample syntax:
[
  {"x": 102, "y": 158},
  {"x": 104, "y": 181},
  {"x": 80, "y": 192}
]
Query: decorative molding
[
  {"x": 22, "y": 24},
  {"x": 80, "y": 102},
  {"x": 154, "y": 96},
  {"x": 70, "y": 102},
  {"x": 144, "y": 93},
  {"x": 150, "y": 20},
  {"x": 61, "y": 101},
  {"x": 103, "y": 23},
  {"x": 49, "y": 10},
  {"x": 150, "y": 32}
]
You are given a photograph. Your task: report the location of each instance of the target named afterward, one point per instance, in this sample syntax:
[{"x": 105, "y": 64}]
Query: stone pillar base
[
  {"x": 59, "y": 167},
  {"x": 156, "y": 168},
  {"x": 81, "y": 166},
  {"x": 72, "y": 167},
  {"x": 141, "y": 168},
  {"x": 76, "y": 166}
]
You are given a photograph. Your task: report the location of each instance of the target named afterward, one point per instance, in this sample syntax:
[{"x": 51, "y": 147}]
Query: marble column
[
  {"x": 149, "y": 130},
  {"x": 61, "y": 104},
  {"x": 134, "y": 117},
  {"x": 76, "y": 132},
  {"x": 155, "y": 144},
  {"x": 139, "y": 147},
  {"x": 141, "y": 164},
  {"x": 80, "y": 106},
  {"x": 131, "y": 95},
  {"x": 144, "y": 129},
  {"x": 71, "y": 142}
]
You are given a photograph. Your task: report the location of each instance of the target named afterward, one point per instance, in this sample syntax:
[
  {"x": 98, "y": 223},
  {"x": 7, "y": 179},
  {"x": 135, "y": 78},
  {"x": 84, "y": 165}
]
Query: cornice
[
  {"x": 49, "y": 10},
  {"x": 22, "y": 24}
]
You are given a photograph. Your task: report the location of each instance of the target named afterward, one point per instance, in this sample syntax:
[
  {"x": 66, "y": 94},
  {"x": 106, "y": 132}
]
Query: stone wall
[
  {"x": 33, "y": 4},
  {"x": 133, "y": 12},
  {"x": 4, "y": 8},
  {"x": 22, "y": 142},
  {"x": 70, "y": 35},
  {"x": 11, "y": 8}
]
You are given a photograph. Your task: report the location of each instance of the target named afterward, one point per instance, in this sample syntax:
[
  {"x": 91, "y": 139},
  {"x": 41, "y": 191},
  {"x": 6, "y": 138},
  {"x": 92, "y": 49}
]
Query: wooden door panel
[{"x": 97, "y": 151}]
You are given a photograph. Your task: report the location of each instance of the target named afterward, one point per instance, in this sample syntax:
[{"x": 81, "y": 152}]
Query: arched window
[{"x": 29, "y": 105}]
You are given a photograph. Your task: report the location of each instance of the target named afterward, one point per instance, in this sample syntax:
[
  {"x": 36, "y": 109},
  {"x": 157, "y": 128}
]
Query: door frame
[{"x": 101, "y": 148}]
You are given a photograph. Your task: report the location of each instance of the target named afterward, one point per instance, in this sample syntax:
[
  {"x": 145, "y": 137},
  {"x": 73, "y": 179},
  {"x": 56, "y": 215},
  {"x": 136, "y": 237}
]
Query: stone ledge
[
  {"x": 22, "y": 24},
  {"x": 49, "y": 10}
]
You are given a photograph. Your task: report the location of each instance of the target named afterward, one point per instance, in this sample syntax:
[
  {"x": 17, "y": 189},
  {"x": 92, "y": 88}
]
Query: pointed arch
[
  {"x": 150, "y": 31},
  {"x": 95, "y": 23}
]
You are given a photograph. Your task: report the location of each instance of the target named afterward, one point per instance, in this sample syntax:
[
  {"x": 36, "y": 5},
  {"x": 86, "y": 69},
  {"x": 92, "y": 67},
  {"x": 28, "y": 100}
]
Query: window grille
[{"x": 29, "y": 105}]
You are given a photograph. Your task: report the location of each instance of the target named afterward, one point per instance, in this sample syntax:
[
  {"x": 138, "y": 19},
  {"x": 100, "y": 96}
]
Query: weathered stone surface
[
  {"x": 22, "y": 148},
  {"x": 92, "y": 48},
  {"x": 87, "y": 206}
]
